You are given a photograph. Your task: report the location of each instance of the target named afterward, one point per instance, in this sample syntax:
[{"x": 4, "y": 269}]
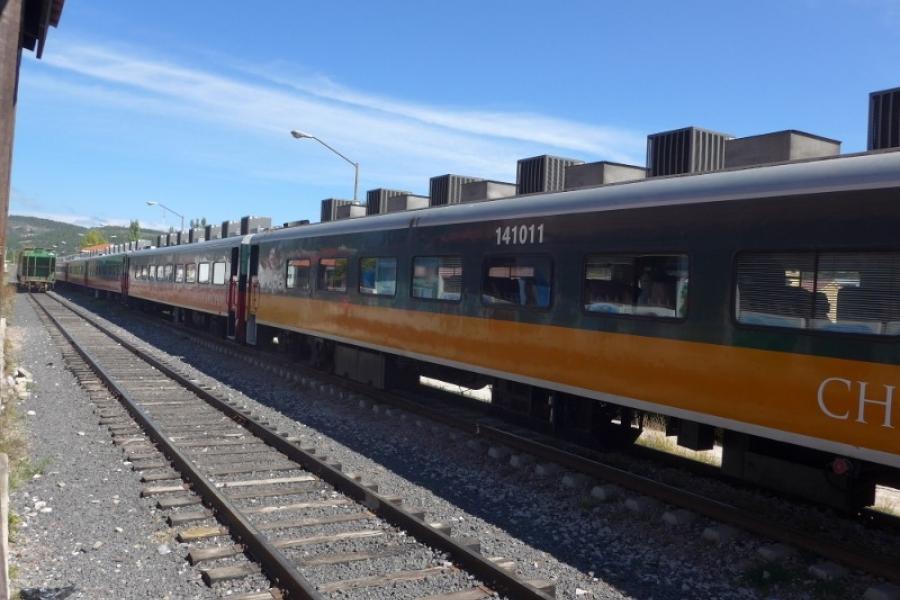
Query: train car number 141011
[{"x": 516, "y": 235}]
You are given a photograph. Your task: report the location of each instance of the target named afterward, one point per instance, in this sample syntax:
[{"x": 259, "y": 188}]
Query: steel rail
[
  {"x": 714, "y": 509},
  {"x": 472, "y": 561},
  {"x": 274, "y": 563}
]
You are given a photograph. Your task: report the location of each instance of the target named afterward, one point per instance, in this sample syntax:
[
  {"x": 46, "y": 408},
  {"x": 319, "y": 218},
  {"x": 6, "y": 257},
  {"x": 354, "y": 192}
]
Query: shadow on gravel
[
  {"x": 47, "y": 593},
  {"x": 579, "y": 540}
]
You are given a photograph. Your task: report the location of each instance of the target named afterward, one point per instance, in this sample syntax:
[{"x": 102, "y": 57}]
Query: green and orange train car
[{"x": 756, "y": 306}]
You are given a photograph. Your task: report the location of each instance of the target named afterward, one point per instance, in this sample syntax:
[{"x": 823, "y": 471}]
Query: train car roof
[
  {"x": 36, "y": 252},
  {"x": 872, "y": 170},
  {"x": 854, "y": 172},
  {"x": 229, "y": 242}
]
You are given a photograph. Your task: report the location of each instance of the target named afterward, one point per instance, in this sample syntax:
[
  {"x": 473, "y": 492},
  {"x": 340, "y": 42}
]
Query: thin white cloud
[
  {"x": 527, "y": 127},
  {"x": 485, "y": 141}
]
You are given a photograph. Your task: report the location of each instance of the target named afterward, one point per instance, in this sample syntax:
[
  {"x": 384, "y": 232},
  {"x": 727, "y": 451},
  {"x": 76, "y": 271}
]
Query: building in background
[{"x": 23, "y": 26}]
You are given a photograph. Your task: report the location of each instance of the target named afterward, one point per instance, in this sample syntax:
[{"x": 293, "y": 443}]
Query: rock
[
  {"x": 519, "y": 461},
  {"x": 474, "y": 444},
  {"x": 163, "y": 549},
  {"x": 81, "y": 433},
  {"x": 61, "y": 484},
  {"x": 499, "y": 452},
  {"x": 882, "y": 591},
  {"x": 31, "y": 413},
  {"x": 574, "y": 481},
  {"x": 719, "y": 534},
  {"x": 97, "y": 545},
  {"x": 678, "y": 518},
  {"x": 642, "y": 505},
  {"x": 119, "y": 530},
  {"x": 605, "y": 492},
  {"x": 775, "y": 552},
  {"x": 546, "y": 469},
  {"x": 827, "y": 571}
]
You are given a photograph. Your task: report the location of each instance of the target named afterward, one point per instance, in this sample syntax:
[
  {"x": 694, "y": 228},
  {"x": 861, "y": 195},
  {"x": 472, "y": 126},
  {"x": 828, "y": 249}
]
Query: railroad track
[
  {"x": 544, "y": 449},
  {"x": 252, "y": 500}
]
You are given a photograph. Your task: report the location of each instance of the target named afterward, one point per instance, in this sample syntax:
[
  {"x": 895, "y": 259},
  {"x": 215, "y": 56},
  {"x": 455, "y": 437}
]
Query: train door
[
  {"x": 245, "y": 279},
  {"x": 233, "y": 301},
  {"x": 252, "y": 292},
  {"x": 126, "y": 265}
]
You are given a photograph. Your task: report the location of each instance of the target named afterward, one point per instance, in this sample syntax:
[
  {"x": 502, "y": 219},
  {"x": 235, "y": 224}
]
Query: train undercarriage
[{"x": 836, "y": 481}]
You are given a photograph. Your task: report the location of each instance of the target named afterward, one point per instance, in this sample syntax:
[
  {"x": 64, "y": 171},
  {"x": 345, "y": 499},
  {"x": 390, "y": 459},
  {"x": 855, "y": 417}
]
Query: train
[
  {"x": 35, "y": 270},
  {"x": 755, "y": 307}
]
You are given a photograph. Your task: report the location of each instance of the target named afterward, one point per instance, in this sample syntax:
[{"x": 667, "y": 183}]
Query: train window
[
  {"x": 190, "y": 273},
  {"x": 378, "y": 276},
  {"x": 152, "y": 272},
  {"x": 844, "y": 292},
  {"x": 437, "y": 277},
  {"x": 637, "y": 284},
  {"x": 203, "y": 273},
  {"x": 218, "y": 277},
  {"x": 517, "y": 280},
  {"x": 333, "y": 274},
  {"x": 179, "y": 273},
  {"x": 297, "y": 274},
  {"x": 168, "y": 273}
]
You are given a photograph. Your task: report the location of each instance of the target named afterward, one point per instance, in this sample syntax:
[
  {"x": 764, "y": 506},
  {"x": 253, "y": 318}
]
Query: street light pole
[
  {"x": 164, "y": 207},
  {"x": 301, "y": 135}
]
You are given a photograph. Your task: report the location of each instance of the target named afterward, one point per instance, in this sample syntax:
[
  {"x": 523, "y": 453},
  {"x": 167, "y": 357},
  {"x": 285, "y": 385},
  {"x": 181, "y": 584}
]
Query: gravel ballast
[
  {"x": 591, "y": 550},
  {"x": 83, "y": 524}
]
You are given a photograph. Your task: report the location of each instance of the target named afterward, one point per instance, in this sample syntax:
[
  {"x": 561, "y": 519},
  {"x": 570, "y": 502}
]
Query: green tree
[
  {"x": 134, "y": 231},
  {"x": 92, "y": 238}
]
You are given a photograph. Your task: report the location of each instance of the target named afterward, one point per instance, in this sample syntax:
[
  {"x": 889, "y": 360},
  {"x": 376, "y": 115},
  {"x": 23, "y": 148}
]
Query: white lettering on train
[
  {"x": 861, "y": 400},
  {"x": 823, "y": 406}
]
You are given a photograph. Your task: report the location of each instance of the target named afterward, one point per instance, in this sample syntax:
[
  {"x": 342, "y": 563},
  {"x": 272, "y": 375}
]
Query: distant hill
[{"x": 23, "y": 232}]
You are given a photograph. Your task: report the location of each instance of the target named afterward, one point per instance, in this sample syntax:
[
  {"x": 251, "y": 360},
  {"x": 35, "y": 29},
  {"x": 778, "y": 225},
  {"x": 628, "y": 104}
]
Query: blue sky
[{"x": 190, "y": 103}]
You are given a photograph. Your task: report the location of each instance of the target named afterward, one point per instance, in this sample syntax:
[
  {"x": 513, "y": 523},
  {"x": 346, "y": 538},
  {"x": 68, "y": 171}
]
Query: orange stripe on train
[{"x": 808, "y": 395}]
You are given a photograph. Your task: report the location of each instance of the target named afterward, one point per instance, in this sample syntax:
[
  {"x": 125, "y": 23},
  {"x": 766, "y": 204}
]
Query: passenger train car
[
  {"x": 35, "y": 269},
  {"x": 762, "y": 303}
]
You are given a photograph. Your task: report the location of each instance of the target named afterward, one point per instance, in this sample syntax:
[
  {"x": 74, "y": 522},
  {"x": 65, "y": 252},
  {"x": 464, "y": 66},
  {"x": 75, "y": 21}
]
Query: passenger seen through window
[
  {"x": 519, "y": 280},
  {"x": 632, "y": 284}
]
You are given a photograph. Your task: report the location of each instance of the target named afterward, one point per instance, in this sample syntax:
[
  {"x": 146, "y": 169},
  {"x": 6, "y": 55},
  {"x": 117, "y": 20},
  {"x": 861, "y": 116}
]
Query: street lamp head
[
  {"x": 151, "y": 203},
  {"x": 300, "y": 135}
]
